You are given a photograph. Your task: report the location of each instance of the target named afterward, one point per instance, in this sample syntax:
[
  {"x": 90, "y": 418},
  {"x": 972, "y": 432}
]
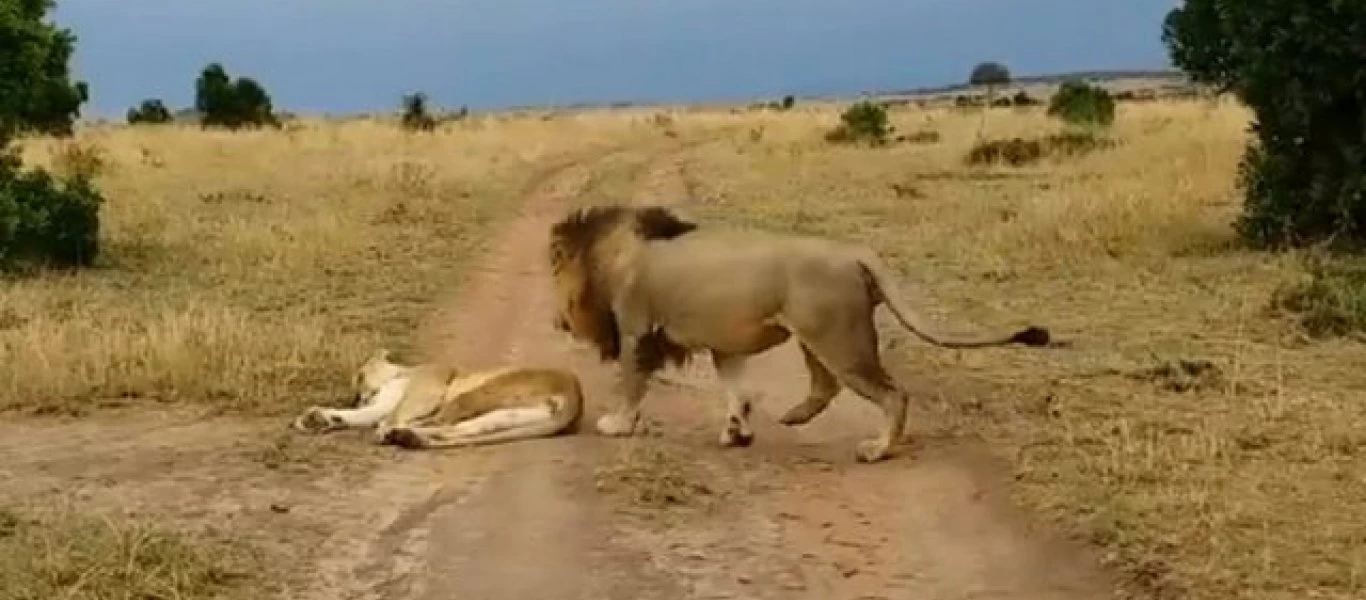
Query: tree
[
  {"x": 222, "y": 102},
  {"x": 36, "y": 91},
  {"x": 992, "y": 75},
  {"x": 989, "y": 74},
  {"x": 1301, "y": 68},
  {"x": 150, "y": 111}
]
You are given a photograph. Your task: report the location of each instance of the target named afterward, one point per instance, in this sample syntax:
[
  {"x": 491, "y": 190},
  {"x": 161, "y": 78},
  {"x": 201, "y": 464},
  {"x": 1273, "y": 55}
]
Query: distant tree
[
  {"x": 991, "y": 75},
  {"x": 416, "y": 117},
  {"x": 36, "y": 90},
  {"x": 788, "y": 102},
  {"x": 1301, "y": 68},
  {"x": 222, "y": 102},
  {"x": 150, "y": 111}
]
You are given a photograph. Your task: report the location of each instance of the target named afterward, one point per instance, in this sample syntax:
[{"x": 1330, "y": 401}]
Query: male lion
[
  {"x": 434, "y": 406},
  {"x": 646, "y": 287}
]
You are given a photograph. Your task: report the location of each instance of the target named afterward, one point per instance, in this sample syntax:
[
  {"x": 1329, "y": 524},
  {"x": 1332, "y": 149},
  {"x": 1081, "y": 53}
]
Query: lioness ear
[{"x": 380, "y": 354}]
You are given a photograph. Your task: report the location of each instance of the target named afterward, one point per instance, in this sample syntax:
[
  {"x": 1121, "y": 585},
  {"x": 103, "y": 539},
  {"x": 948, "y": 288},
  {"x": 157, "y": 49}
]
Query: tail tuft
[{"x": 1031, "y": 336}]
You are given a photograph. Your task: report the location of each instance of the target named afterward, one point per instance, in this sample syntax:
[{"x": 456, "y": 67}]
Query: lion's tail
[{"x": 884, "y": 289}]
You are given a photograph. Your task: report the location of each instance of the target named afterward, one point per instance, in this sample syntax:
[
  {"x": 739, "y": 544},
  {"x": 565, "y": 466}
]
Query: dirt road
[
  {"x": 803, "y": 520},
  {"x": 793, "y": 516}
]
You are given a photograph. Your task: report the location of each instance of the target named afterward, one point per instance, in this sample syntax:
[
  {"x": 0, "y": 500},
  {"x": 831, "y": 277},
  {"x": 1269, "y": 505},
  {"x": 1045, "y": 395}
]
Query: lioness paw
[
  {"x": 313, "y": 420},
  {"x": 615, "y": 424}
]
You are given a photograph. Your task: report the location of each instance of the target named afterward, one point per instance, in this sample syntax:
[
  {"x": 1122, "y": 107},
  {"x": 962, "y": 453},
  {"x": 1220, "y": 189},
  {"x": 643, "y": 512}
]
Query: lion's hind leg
[
  {"x": 824, "y": 388},
  {"x": 850, "y": 352}
]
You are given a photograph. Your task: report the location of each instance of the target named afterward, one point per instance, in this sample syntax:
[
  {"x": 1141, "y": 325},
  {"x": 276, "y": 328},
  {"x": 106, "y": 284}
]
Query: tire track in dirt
[
  {"x": 518, "y": 520},
  {"x": 935, "y": 522}
]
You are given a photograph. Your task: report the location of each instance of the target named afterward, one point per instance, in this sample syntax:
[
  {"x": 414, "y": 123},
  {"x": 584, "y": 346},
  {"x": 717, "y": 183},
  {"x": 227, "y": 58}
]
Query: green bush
[
  {"x": 1015, "y": 152},
  {"x": 1079, "y": 103},
  {"x": 1330, "y": 302},
  {"x": 46, "y": 221},
  {"x": 1022, "y": 98},
  {"x": 1018, "y": 152},
  {"x": 923, "y": 136},
  {"x": 150, "y": 111},
  {"x": 864, "y": 121},
  {"x": 416, "y": 117},
  {"x": 1300, "y": 67}
]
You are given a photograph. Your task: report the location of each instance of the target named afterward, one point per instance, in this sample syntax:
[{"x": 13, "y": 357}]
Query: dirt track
[{"x": 526, "y": 520}]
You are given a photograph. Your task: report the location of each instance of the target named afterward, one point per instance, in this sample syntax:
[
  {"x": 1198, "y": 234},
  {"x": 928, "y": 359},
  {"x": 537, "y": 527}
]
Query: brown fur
[
  {"x": 648, "y": 288},
  {"x": 438, "y": 406}
]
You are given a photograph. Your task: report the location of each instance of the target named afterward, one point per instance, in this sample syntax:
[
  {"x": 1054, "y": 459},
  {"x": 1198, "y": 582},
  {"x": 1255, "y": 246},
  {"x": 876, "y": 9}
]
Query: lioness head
[
  {"x": 580, "y": 245},
  {"x": 376, "y": 371}
]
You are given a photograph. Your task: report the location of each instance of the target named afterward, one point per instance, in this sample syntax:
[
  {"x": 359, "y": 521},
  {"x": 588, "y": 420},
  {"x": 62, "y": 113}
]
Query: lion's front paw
[
  {"x": 870, "y": 451},
  {"x": 617, "y": 424},
  {"x": 313, "y": 420},
  {"x": 736, "y": 438},
  {"x": 736, "y": 434}
]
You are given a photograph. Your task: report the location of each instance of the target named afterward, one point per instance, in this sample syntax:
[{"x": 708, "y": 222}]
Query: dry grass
[
  {"x": 1191, "y": 431},
  {"x": 247, "y": 270},
  {"x": 64, "y": 553}
]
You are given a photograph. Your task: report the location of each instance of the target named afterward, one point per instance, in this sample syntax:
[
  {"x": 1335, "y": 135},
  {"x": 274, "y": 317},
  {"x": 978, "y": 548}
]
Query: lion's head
[{"x": 580, "y": 245}]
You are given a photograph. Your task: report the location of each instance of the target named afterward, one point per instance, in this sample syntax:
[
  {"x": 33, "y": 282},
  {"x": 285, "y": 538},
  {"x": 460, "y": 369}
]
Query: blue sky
[{"x": 361, "y": 55}]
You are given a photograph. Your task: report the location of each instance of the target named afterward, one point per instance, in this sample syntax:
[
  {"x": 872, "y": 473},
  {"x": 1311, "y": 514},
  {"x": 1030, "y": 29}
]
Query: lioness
[
  {"x": 646, "y": 287},
  {"x": 434, "y": 406}
]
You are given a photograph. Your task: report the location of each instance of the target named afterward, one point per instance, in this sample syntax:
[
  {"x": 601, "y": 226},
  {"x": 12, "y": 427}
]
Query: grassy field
[
  {"x": 1202, "y": 440},
  {"x": 1199, "y": 437}
]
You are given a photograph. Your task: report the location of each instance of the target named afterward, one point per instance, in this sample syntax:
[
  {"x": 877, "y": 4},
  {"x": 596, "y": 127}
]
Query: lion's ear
[{"x": 381, "y": 354}]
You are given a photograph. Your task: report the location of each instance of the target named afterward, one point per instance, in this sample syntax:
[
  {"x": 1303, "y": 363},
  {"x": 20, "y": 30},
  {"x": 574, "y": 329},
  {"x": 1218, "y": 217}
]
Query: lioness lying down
[
  {"x": 434, "y": 406},
  {"x": 646, "y": 287}
]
